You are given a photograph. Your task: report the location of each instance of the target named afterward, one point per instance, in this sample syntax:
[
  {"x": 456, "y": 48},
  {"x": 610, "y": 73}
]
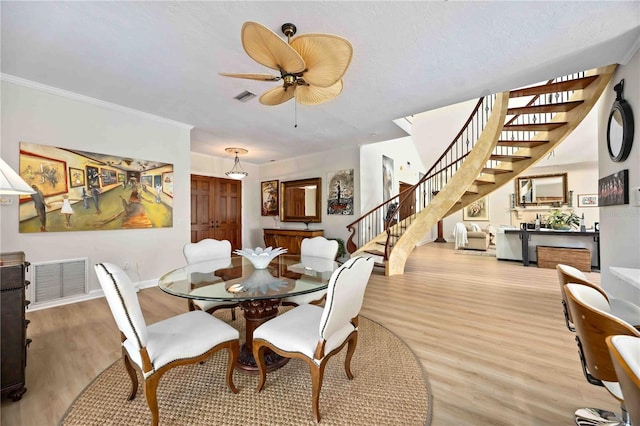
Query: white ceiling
[{"x": 163, "y": 58}]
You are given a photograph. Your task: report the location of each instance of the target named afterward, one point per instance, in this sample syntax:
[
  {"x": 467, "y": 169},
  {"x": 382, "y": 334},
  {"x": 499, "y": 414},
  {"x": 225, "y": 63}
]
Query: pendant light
[{"x": 236, "y": 172}]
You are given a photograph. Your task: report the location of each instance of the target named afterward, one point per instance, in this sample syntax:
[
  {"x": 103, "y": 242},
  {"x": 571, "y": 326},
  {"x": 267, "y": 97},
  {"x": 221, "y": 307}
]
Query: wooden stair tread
[
  {"x": 495, "y": 171},
  {"x": 483, "y": 182},
  {"x": 534, "y": 127},
  {"x": 375, "y": 252},
  {"x": 562, "y": 86},
  {"x": 512, "y": 158},
  {"x": 540, "y": 109},
  {"x": 523, "y": 144}
]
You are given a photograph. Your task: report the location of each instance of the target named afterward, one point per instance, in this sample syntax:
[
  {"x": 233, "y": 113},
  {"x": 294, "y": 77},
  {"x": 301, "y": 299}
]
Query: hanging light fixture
[{"x": 236, "y": 172}]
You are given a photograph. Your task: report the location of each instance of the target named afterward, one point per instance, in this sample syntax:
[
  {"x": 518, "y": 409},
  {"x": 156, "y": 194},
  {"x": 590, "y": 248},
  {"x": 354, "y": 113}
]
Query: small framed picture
[
  {"x": 269, "y": 191},
  {"x": 478, "y": 210},
  {"x": 76, "y": 177},
  {"x": 587, "y": 200}
]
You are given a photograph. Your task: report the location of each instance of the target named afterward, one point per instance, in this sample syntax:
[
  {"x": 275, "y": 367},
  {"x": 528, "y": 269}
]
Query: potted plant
[
  {"x": 341, "y": 250},
  {"x": 563, "y": 220}
]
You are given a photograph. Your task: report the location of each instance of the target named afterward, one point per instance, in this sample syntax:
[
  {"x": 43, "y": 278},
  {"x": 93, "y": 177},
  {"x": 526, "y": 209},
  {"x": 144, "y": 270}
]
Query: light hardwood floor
[{"x": 490, "y": 335}]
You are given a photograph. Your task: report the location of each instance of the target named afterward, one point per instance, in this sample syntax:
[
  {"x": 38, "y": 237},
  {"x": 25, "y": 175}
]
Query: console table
[
  {"x": 289, "y": 238},
  {"x": 530, "y": 238}
]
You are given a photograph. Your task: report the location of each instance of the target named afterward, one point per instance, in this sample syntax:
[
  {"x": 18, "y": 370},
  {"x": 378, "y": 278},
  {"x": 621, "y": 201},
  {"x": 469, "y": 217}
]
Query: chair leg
[
  {"x": 150, "y": 392},
  {"x": 258, "y": 355},
  {"x": 317, "y": 374},
  {"x": 234, "y": 351},
  {"x": 132, "y": 374},
  {"x": 233, "y": 314},
  {"x": 351, "y": 349}
]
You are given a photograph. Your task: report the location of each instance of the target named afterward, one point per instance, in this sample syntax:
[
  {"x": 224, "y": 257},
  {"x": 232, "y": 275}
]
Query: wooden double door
[{"x": 216, "y": 209}]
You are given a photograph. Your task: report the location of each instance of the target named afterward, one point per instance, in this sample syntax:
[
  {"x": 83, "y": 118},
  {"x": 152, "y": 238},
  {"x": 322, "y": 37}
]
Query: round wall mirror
[{"x": 620, "y": 127}]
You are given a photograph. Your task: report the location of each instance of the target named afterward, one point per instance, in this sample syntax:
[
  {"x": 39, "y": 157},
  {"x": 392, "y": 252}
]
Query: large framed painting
[
  {"x": 478, "y": 210},
  {"x": 613, "y": 190},
  {"x": 269, "y": 197},
  {"x": 88, "y": 191},
  {"x": 340, "y": 192}
]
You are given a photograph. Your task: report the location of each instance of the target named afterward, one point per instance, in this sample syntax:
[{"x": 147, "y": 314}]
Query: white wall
[
  {"x": 309, "y": 166},
  {"x": 620, "y": 225},
  {"x": 46, "y": 116}
]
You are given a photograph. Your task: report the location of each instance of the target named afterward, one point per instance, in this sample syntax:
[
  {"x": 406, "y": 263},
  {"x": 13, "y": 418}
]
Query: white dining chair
[
  {"x": 315, "y": 334},
  {"x": 202, "y": 251},
  {"x": 154, "y": 349},
  {"x": 316, "y": 247}
]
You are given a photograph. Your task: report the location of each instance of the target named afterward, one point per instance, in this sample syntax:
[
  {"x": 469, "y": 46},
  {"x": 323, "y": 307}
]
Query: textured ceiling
[{"x": 163, "y": 58}]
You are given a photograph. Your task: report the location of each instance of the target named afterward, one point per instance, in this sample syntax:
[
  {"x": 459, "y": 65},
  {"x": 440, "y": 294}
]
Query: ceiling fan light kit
[
  {"x": 236, "y": 172},
  {"x": 311, "y": 66}
]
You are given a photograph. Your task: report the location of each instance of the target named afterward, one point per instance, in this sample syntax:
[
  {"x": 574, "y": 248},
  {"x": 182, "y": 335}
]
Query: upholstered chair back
[
  {"x": 345, "y": 295},
  {"x": 319, "y": 247},
  {"x": 207, "y": 249},
  {"x": 123, "y": 302}
]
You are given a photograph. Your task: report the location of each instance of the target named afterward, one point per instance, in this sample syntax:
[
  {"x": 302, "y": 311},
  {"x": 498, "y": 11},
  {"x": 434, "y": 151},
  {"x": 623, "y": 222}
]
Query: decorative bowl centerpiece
[{"x": 260, "y": 257}]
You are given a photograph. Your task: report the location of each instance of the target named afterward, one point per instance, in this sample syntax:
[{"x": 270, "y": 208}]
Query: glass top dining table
[{"x": 259, "y": 292}]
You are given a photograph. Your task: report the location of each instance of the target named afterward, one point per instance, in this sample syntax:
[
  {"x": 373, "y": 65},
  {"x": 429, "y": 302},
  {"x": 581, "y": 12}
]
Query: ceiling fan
[{"x": 311, "y": 66}]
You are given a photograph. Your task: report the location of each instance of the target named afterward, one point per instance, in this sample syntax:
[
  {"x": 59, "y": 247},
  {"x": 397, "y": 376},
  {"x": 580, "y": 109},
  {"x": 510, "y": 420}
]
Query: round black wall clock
[{"x": 620, "y": 127}]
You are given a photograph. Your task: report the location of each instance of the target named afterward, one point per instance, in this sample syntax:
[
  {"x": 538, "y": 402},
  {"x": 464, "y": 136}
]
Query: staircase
[{"x": 505, "y": 135}]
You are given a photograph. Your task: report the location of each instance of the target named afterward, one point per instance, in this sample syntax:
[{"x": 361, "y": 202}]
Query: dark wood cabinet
[
  {"x": 14, "y": 342},
  {"x": 289, "y": 238}
]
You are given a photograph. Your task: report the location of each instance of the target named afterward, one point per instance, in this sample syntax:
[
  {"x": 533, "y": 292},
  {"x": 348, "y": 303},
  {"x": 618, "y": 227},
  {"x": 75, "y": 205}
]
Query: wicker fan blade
[
  {"x": 265, "y": 47},
  {"x": 278, "y": 95},
  {"x": 327, "y": 57},
  {"x": 313, "y": 95},
  {"x": 261, "y": 77}
]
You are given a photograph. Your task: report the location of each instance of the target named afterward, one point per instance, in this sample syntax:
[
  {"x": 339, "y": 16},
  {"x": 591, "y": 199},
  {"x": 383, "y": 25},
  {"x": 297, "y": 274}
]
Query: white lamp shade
[{"x": 11, "y": 182}]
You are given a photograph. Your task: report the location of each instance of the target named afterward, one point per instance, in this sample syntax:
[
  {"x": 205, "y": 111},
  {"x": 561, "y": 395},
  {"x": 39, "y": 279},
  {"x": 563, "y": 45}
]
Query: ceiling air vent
[{"x": 245, "y": 96}]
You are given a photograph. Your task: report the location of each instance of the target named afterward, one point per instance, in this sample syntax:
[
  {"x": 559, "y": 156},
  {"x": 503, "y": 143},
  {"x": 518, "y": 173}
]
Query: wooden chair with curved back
[
  {"x": 319, "y": 333},
  {"x": 319, "y": 248},
  {"x": 154, "y": 349},
  {"x": 623, "y": 309},
  {"x": 625, "y": 354},
  {"x": 203, "y": 251},
  {"x": 594, "y": 322}
]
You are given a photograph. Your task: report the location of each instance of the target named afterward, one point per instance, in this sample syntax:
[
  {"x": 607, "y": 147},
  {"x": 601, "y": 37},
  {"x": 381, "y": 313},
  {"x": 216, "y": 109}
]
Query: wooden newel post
[{"x": 440, "y": 238}]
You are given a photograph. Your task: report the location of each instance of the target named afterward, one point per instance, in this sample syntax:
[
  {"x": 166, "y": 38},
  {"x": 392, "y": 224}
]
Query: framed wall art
[
  {"x": 167, "y": 183},
  {"x": 88, "y": 191},
  {"x": 340, "y": 192},
  {"x": 613, "y": 190},
  {"x": 587, "y": 200},
  {"x": 478, "y": 210},
  {"x": 269, "y": 197}
]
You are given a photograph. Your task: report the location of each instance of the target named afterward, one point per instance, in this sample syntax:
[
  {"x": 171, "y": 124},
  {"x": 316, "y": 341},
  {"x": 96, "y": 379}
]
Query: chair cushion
[
  {"x": 303, "y": 299},
  {"x": 298, "y": 331},
  {"x": 184, "y": 336}
]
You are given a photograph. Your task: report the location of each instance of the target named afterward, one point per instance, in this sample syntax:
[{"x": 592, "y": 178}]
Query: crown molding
[{"x": 89, "y": 100}]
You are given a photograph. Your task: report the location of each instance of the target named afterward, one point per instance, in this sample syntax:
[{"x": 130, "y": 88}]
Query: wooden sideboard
[{"x": 289, "y": 238}]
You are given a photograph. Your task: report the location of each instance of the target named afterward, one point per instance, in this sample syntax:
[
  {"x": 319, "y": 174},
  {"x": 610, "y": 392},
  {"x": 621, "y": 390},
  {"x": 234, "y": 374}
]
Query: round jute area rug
[{"x": 389, "y": 388}]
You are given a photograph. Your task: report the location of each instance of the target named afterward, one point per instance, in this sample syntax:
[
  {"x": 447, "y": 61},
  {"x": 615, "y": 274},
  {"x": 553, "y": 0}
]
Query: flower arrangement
[{"x": 563, "y": 220}]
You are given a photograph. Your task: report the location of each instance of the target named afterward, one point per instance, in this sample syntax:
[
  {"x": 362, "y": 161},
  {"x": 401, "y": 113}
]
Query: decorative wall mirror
[
  {"x": 301, "y": 200},
  {"x": 542, "y": 190},
  {"x": 620, "y": 127}
]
